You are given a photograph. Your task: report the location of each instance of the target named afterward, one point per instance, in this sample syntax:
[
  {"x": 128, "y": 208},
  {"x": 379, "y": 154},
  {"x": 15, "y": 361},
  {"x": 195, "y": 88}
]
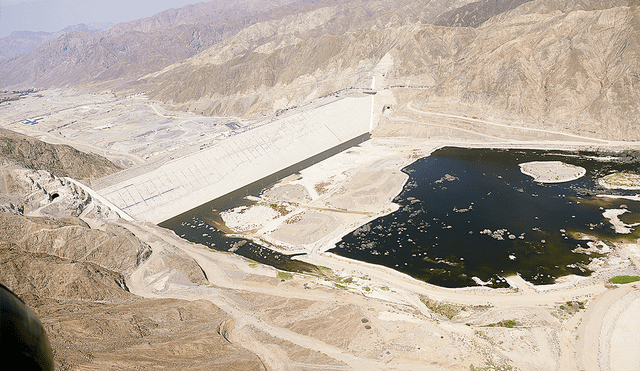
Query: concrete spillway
[{"x": 184, "y": 183}]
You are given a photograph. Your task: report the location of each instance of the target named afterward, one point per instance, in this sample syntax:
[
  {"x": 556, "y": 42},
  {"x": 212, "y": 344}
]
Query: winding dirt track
[
  {"x": 589, "y": 331},
  {"x": 576, "y": 137},
  {"x": 205, "y": 259},
  {"x": 587, "y": 346}
]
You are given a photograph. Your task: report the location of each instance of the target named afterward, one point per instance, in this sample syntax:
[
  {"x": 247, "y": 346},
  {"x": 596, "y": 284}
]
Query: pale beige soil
[
  {"x": 621, "y": 181},
  {"x": 552, "y": 171},
  {"x": 127, "y": 131},
  {"x": 360, "y": 316},
  {"x": 618, "y": 225}
]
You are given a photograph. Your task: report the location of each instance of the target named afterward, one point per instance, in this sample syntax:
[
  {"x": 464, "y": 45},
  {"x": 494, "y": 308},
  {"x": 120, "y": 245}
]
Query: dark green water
[
  {"x": 456, "y": 194},
  {"x": 205, "y": 227},
  {"x": 203, "y": 224}
]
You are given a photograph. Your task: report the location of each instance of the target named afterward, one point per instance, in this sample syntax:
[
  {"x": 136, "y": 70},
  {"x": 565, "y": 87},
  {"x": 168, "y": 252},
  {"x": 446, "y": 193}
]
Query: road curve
[{"x": 588, "y": 336}]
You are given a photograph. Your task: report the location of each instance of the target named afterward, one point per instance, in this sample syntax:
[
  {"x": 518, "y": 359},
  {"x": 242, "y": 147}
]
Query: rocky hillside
[
  {"x": 129, "y": 50},
  {"x": 74, "y": 274},
  {"x": 74, "y": 277},
  {"x": 569, "y": 65},
  {"x": 142, "y": 334},
  {"x": 297, "y": 58},
  {"x": 252, "y": 82},
  {"x": 476, "y": 13},
  {"x": 25, "y": 41},
  {"x": 63, "y": 258},
  {"x": 59, "y": 160}
]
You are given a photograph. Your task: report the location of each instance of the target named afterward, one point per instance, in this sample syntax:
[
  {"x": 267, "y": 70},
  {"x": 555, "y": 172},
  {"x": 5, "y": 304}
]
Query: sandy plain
[
  {"x": 412, "y": 325},
  {"x": 127, "y": 131}
]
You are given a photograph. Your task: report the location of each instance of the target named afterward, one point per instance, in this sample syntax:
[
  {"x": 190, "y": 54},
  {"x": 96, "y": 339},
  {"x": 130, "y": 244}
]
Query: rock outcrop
[
  {"x": 59, "y": 160},
  {"x": 75, "y": 278},
  {"x": 75, "y": 275},
  {"x": 142, "y": 334}
]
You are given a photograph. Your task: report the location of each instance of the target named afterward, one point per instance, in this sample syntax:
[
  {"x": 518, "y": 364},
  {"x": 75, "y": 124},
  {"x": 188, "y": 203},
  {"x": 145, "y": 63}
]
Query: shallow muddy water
[{"x": 205, "y": 226}]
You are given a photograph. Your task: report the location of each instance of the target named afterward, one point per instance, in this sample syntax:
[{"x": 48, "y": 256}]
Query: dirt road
[{"x": 138, "y": 285}]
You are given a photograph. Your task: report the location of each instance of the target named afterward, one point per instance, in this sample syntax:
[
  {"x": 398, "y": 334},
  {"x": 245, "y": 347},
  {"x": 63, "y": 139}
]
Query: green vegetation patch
[
  {"x": 280, "y": 208},
  {"x": 573, "y": 306},
  {"x": 491, "y": 366},
  {"x": 285, "y": 275},
  {"x": 508, "y": 324},
  {"x": 444, "y": 309},
  {"x": 621, "y": 280}
]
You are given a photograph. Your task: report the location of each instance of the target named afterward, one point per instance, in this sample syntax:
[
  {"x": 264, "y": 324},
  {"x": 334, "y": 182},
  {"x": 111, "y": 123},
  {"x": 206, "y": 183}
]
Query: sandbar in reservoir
[{"x": 552, "y": 171}]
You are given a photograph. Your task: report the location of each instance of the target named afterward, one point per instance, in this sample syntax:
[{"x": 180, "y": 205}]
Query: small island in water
[
  {"x": 621, "y": 180},
  {"x": 552, "y": 171}
]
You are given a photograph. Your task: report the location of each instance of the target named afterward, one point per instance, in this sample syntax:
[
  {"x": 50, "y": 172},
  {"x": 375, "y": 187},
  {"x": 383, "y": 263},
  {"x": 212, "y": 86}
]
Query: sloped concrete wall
[{"x": 187, "y": 182}]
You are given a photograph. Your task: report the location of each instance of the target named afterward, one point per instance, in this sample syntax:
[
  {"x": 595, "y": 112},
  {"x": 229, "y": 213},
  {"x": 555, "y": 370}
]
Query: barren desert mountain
[
  {"x": 22, "y": 42},
  {"x": 578, "y": 68},
  {"x": 301, "y": 57},
  {"x": 127, "y": 50},
  {"x": 573, "y": 68},
  {"x": 308, "y": 69},
  {"x": 202, "y": 88}
]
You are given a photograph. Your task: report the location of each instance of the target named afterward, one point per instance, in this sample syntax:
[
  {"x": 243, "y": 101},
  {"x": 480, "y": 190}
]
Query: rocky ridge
[
  {"x": 59, "y": 160},
  {"x": 567, "y": 65},
  {"x": 74, "y": 274},
  {"x": 129, "y": 50},
  {"x": 25, "y": 41}
]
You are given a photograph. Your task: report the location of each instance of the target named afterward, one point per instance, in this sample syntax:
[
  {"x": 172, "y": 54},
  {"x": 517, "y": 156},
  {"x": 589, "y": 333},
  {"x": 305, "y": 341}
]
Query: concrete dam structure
[{"x": 181, "y": 184}]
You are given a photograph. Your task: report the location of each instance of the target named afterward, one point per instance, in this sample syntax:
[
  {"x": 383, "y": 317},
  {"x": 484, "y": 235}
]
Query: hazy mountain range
[
  {"x": 25, "y": 41},
  {"x": 572, "y": 62},
  {"x": 130, "y": 50}
]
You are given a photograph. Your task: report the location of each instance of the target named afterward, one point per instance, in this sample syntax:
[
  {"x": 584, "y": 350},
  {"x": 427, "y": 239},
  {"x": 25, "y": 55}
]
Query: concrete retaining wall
[{"x": 187, "y": 182}]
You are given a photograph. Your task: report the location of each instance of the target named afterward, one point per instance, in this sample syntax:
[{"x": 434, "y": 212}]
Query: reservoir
[
  {"x": 467, "y": 217},
  {"x": 468, "y": 213}
]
